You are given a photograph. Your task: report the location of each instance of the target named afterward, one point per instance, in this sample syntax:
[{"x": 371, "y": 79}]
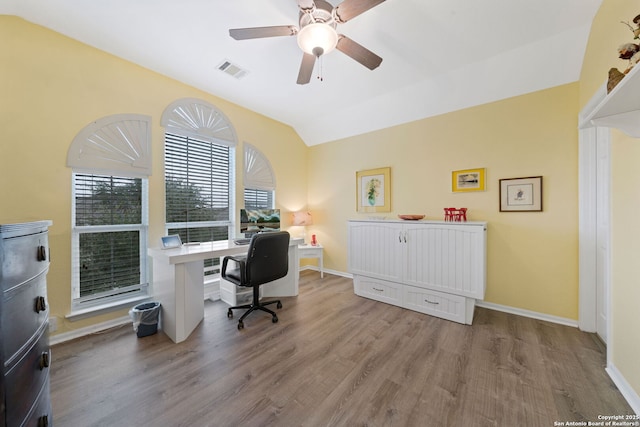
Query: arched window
[
  {"x": 259, "y": 180},
  {"x": 199, "y": 160},
  {"x": 111, "y": 162}
]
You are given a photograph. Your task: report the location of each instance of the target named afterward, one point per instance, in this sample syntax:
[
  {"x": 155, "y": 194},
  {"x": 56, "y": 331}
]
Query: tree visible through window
[
  {"x": 109, "y": 236},
  {"x": 198, "y": 187}
]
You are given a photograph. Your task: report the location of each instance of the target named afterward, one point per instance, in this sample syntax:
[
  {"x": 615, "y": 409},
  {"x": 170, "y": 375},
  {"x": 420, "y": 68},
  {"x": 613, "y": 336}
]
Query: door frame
[{"x": 589, "y": 136}]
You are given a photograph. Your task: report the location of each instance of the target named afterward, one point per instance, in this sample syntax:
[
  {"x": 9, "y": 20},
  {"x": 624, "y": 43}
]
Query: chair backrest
[{"x": 267, "y": 258}]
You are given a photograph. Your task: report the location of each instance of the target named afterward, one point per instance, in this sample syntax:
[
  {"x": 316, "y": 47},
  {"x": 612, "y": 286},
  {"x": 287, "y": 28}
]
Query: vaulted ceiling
[{"x": 438, "y": 55}]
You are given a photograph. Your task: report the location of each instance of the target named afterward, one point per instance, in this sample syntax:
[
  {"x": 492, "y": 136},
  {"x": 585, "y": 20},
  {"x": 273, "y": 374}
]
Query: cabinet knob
[
  {"x": 45, "y": 360},
  {"x": 42, "y": 253},
  {"x": 41, "y": 304}
]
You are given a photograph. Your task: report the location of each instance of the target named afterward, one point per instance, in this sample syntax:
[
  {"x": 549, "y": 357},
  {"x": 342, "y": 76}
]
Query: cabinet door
[
  {"x": 446, "y": 257},
  {"x": 375, "y": 250}
]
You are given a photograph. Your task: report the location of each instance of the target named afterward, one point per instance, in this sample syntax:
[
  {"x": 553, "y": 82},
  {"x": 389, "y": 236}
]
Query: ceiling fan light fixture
[{"x": 317, "y": 38}]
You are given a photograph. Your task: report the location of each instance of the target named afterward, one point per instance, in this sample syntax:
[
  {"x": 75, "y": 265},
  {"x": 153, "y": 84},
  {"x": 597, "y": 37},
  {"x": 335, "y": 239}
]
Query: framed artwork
[
  {"x": 373, "y": 190},
  {"x": 468, "y": 180},
  {"x": 521, "y": 194}
]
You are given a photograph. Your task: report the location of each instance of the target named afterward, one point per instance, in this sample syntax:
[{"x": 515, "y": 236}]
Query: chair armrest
[
  {"x": 241, "y": 260},
  {"x": 237, "y": 258}
]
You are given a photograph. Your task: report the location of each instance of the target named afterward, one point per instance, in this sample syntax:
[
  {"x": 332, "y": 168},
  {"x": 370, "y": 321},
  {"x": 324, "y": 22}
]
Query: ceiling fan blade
[
  {"x": 306, "y": 69},
  {"x": 358, "y": 52},
  {"x": 349, "y": 9},
  {"x": 306, "y": 5},
  {"x": 260, "y": 32}
]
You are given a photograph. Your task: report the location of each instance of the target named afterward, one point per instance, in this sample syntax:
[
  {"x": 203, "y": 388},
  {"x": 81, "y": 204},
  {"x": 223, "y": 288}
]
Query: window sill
[{"x": 95, "y": 310}]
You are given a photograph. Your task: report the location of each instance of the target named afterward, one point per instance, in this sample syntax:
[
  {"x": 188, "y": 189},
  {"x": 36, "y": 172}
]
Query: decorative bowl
[{"x": 411, "y": 217}]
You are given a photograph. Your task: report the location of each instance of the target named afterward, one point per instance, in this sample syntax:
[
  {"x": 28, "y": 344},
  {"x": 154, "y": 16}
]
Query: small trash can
[{"x": 145, "y": 318}]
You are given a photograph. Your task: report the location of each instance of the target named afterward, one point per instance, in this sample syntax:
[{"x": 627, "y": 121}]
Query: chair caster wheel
[
  {"x": 240, "y": 325},
  {"x": 279, "y": 304},
  {"x": 274, "y": 319},
  {"x": 230, "y": 314}
]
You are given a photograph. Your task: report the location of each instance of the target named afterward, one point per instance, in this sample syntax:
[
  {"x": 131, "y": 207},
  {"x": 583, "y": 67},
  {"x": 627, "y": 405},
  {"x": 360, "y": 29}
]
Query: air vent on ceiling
[{"x": 232, "y": 69}]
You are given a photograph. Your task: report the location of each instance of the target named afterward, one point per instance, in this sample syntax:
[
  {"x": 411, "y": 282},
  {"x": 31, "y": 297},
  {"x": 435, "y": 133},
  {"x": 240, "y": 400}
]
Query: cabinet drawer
[
  {"x": 447, "y": 306},
  {"x": 377, "y": 289},
  {"x": 20, "y": 318},
  {"x": 236, "y": 295},
  {"x": 23, "y": 258},
  {"x": 26, "y": 378}
]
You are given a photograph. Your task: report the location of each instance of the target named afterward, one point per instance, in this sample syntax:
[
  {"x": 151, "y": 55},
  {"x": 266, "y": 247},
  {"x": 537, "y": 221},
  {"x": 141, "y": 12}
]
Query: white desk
[
  {"x": 178, "y": 282},
  {"x": 312, "y": 251}
]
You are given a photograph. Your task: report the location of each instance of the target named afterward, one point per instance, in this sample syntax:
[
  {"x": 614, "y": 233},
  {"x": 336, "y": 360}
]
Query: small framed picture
[
  {"x": 468, "y": 180},
  {"x": 521, "y": 194},
  {"x": 373, "y": 189}
]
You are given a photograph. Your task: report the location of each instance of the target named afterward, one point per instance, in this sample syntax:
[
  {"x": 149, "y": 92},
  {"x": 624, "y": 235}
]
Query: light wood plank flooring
[{"x": 335, "y": 359}]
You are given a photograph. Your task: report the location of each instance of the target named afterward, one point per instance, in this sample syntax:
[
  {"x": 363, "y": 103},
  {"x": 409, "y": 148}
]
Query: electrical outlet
[{"x": 53, "y": 324}]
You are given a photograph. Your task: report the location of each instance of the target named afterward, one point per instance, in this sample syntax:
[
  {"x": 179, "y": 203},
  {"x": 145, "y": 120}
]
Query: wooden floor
[{"x": 335, "y": 359}]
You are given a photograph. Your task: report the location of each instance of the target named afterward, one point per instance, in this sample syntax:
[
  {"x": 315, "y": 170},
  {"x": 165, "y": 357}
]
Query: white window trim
[{"x": 82, "y": 308}]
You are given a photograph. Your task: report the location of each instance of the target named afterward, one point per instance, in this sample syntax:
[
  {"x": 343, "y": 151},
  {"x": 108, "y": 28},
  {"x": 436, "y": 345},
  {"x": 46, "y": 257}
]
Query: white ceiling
[{"x": 439, "y": 55}]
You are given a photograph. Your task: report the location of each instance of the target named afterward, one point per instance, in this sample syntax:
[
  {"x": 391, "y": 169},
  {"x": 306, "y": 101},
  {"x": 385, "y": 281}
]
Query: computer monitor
[{"x": 254, "y": 221}]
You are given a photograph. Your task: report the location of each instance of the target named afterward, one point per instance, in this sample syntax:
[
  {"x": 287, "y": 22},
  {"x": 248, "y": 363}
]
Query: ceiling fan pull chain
[{"x": 320, "y": 69}]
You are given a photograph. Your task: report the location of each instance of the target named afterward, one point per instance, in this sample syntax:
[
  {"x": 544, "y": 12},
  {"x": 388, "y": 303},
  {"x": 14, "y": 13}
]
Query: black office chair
[{"x": 266, "y": 260}]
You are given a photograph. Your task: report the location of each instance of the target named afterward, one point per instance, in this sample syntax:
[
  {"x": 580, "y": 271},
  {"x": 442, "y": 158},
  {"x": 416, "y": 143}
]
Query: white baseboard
[
  {"x": 528, "y": 313},
  {"x": 627, "y": 391},
  {"x": 98, "y": 327},
  {"x": 329, "y": 271}
]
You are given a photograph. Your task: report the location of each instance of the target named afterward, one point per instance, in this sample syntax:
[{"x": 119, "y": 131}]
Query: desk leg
[
  {"x": 180, "y": 291},
  {"x": 321, "y": 262}
]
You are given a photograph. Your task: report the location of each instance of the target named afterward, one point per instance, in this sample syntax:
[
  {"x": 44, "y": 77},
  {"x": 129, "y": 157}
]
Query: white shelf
[{"x": 620, "y": 109}]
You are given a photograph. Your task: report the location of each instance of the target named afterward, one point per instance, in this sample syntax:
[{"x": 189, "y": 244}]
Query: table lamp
[{"x": 302, "y": 219}]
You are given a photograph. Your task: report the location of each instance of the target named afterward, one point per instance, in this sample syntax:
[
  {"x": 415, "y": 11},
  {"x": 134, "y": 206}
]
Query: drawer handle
[
  {"x": 41, "y": 304},
  {"x": 431, "y": 302},
  {"x": 44, "y": 360},
  {"x": 42, "y": 253},
  {"x": 378, "y": 290},
  {"x": 43, "y": 421}
]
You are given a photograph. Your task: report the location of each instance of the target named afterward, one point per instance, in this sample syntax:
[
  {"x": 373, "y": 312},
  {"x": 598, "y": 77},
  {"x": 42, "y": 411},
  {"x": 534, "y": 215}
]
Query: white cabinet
[{"x": 434, "y": 267}]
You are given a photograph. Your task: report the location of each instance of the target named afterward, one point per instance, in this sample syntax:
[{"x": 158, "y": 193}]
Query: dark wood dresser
[{"x": 24, "y": 325}]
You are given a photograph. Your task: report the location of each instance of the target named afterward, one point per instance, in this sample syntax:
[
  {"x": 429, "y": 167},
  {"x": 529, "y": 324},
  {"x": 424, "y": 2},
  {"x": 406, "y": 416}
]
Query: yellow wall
[
  {"x": 607, "y": 34},
  {"x": 532, "y": 257},
  {"x": 52, "y": 87}
]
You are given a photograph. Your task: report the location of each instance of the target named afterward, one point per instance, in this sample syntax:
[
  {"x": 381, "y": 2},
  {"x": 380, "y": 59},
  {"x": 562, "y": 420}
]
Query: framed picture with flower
[
  {"x": 373, "y": 189},
  {"x": 521, "y": 194}
]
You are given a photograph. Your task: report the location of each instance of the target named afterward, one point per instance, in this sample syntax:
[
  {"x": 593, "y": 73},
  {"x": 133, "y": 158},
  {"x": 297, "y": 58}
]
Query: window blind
[
  {"x": 197, "y": 180},
  {"x": 258, "y": 199}
]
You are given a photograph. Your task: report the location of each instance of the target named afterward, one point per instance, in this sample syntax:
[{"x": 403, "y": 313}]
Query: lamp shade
[
  {"x": 317, "y": 39},
  {"x": 302, "y": 218}
]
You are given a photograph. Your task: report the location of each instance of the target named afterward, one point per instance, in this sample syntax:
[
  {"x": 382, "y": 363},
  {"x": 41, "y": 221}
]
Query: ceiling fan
[{"x": 317, "y": 34}]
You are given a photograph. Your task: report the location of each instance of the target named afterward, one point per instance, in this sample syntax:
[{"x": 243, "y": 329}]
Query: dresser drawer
[
  {"x": 24, "y": 258},
  {"x": 41, "y": 414},
  {"x": 440, "y": 304},
  {"x": 20, "y": 316},
  {"x": 26, "y": 378},
  {"x": 377, "y": 289}
]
